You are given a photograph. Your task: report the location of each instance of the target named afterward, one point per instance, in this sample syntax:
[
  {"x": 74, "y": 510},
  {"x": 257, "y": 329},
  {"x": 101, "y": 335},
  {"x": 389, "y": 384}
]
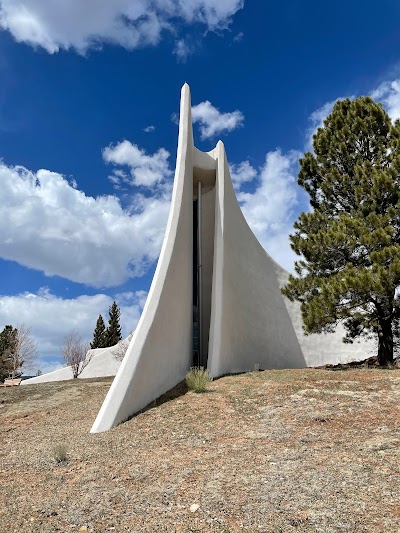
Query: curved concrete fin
[
  {"x": 249, "y": 321},
  {"x": 160, "y": 351}
]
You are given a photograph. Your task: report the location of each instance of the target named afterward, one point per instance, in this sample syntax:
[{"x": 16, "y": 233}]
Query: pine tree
[
  {"x": 350, "y": 242},
  {"x": 8, "y": 345},
  {"x": 113, "y": 333},
  {"x": 99, "y": 334}
]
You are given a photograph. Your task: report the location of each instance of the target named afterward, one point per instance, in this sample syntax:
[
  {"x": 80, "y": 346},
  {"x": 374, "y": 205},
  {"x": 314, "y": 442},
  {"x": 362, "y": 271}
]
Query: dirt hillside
[{"x": 274, "y": 451}]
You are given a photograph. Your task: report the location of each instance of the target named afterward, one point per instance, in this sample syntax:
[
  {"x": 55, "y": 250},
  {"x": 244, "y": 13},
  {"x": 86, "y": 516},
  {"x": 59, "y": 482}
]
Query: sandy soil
[{"x": 274, "y": 451}]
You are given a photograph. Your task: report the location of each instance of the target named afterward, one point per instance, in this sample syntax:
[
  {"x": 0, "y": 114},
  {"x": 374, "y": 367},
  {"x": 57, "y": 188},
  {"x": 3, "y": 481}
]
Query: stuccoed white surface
[
  {"x": 160, "y": 351},
  {"x": 249, "y": 320},
  {"x": 102, "y": 364}
]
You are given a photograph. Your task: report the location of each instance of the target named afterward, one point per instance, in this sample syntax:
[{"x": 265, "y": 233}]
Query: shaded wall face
[
  {"x": 204, "y": 172},
  {"x": 256, "y": 326},
  {"x": 250, "y": 323},
  {"x": 207, "y": 248}
]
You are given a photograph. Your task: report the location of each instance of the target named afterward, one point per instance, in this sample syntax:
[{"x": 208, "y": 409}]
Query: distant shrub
[
  {"x": 392, "y": 365},
  {"x": 60, "y": 453},
  {"x": 197, "y": 379}
]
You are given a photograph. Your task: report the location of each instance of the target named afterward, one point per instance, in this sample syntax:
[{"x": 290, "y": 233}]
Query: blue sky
[{"x": 88, "y": 99}]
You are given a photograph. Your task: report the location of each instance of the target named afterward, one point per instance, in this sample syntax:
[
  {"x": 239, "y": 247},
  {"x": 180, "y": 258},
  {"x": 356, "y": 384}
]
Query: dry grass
[
  {"x": 198, "y": 379},
  {"x": 60, "y": 453},
  {"x": 274, "y": 451}
]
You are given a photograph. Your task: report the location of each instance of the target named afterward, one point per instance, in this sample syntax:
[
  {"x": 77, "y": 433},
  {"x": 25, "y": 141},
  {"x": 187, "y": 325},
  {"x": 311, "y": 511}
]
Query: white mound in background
[{"x": 102, "y": 364}]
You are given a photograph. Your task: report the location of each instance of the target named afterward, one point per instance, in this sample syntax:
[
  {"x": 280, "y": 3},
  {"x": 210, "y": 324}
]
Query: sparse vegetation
[
  {"x": 119, "y": 350},
  {"x": 18, "y": 350},
  {"x": 60, "y": 453},
  {"x": 75, "y": 353},
  {"x": 251, "y": 454},
  {"x": 197, "y": 379}
]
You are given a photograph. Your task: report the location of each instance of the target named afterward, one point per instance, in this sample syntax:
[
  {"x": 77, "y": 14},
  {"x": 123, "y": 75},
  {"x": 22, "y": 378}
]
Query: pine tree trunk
[{"x": 385, "y": 348}]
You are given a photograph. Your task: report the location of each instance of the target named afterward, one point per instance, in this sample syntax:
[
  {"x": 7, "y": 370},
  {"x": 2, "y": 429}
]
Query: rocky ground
[{"x": 273, "y": 451}]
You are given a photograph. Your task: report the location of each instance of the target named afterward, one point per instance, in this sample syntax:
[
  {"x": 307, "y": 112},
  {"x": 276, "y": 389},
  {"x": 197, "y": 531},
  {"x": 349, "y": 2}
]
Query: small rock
[
  {"x": 83, "y": 528},
  {"x": 193, "y": 508}
]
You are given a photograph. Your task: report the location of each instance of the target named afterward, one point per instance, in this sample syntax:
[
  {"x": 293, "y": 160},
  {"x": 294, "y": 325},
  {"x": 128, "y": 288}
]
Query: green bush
[
  {"x": 60, "y": 453},
  {"x": 197, "y": 379}
]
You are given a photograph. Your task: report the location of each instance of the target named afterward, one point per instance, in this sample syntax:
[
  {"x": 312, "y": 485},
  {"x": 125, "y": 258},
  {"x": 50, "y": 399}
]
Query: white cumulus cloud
[
  {"x": 241, "y": 173},
  {"x": 273, "y": 206},
  {"x": 388, "y": 93},
  {"x": 48, "y": 225},
  {"x": 145, "y": 169},
  {"x": 51, "y": 318},
  {"x": 212, "y": 122},
  {"x": 182, "y": 50},
  {"x": 80, "y": 25}
]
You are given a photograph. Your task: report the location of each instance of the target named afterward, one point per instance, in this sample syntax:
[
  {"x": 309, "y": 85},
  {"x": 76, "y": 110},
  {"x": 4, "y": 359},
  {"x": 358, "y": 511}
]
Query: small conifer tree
[
  {"x": 99, "y": 334},
  {"x": 113, "y": 332},
  {"x": 8, "y": 342}
]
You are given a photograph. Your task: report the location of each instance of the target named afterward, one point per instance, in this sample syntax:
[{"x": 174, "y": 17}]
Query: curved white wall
[
  {"x": 102, "y": 364},
  {"x": 160, "y": 351},
  {"x": 249, "y": 323},
  {"x": 61, "y": 374}
]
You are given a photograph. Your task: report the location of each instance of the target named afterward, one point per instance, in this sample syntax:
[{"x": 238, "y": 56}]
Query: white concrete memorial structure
[
  {"x": 215, "y": 299},
  {"x": 102, "y": 364}
]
